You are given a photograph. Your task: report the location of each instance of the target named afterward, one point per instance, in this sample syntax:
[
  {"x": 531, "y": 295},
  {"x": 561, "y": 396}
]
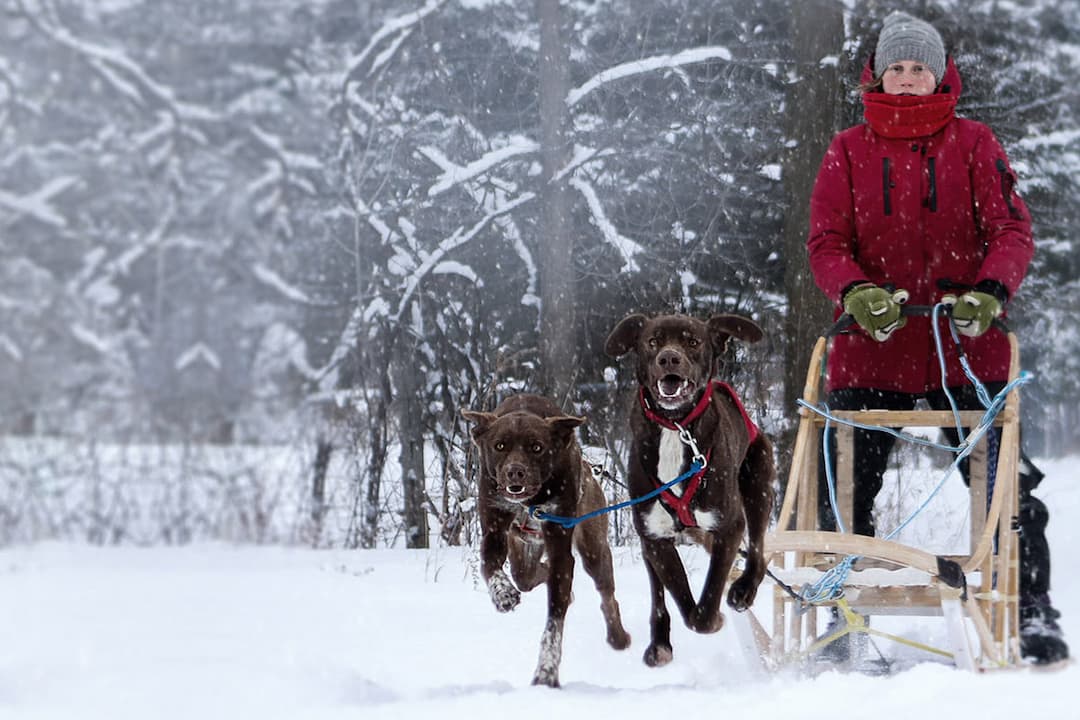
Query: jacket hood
[{"x": 948, "y": 85}]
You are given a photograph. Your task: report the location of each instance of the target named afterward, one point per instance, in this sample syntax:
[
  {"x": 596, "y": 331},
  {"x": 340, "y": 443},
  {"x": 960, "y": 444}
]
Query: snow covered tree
[{"x": 335, "y": 224}]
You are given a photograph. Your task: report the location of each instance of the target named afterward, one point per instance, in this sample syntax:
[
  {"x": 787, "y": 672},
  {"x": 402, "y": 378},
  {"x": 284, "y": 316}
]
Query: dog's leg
[
  {"x": 665, "y": 561},
  {"x": 659, "y": 651},
  {"x": 666, "y": 572},
  {"x": 560, "y": 583},
  {"x": 547, "y": 666},
  {"x": 493, "y": 556},
  {"x": 756, "y": 477},
  {"x": 590, "y": 539},
  {"x": 707, "y": 617}
]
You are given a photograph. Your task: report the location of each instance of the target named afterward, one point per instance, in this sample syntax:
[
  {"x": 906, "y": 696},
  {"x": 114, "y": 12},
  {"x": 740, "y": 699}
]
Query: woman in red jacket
[{"x": 916, "y": 205}]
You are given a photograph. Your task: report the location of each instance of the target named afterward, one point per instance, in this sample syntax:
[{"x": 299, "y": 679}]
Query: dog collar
[
  {"x": 680, "y": 505},
  {"x": 706, "y": 398}
]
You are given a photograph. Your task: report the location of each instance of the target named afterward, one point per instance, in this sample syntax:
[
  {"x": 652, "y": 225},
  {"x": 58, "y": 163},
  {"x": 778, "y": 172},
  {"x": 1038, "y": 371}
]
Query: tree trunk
[
  {"x": 364, "y": 525},
  {"x": 323, "y": 450},
  {"x": 557, "y": 340},
  {"x": 813, "y": 105},
  {"x": 410, "y": 413}
]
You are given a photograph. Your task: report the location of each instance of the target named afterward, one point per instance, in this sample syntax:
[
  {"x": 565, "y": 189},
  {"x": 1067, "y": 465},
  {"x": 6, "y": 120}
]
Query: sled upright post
[{"x": 975, "y": 593}]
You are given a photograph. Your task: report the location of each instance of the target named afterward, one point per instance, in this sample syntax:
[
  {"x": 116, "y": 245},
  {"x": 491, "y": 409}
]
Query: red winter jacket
[{"x": 918, "y": 199}]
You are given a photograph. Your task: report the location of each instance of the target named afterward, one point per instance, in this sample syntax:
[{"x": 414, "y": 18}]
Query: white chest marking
[
  {"x": 706, "y": 519},
  {"x": 670, "y": 463},
  {"x": 658, "y": 521}
]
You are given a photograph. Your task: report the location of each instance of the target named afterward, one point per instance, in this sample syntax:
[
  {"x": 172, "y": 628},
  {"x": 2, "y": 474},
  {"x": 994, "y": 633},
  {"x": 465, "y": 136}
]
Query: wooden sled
[{"x": 975, "y": 594}]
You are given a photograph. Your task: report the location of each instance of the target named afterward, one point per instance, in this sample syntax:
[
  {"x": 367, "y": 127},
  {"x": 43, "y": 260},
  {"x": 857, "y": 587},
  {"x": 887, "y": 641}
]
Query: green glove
[
  {"x": 973, "y": 312},
  {"x": 876, "y": 309}
]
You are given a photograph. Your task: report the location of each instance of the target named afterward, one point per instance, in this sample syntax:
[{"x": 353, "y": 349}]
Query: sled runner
[{"x": 974, "y": 593}]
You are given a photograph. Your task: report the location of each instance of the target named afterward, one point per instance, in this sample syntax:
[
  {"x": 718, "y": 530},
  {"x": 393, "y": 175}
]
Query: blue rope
[
  {"x": 830, "y": 585},
  {"x": 569, "y": 522},
  {"x": 979, "y": 389},
  {"x": 825, "y": 412}
]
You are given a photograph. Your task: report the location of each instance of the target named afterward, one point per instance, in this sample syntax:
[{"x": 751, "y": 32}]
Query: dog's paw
[
  {"x": 701, "y": 622},
  {"x": 504, "y": 595},
  {"x": 548, "y": 676},
  {"x": 618, "y": 639},
  {"x": 658, "y": 655},
  {"x": 741, "y": 595}
]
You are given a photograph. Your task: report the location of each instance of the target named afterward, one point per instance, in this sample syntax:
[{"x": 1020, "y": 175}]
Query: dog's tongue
[{"x": 671, "y": 386}]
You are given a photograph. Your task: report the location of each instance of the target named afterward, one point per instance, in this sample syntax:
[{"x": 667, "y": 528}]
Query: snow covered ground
[{"x": 214, "y": 631}]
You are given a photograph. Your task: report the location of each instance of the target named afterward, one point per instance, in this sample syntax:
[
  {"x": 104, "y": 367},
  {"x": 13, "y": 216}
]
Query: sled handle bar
[{"x": 846, "y": 321}]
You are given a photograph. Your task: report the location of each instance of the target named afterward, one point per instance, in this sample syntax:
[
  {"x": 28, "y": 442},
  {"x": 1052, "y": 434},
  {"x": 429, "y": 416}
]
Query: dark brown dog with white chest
[
  {"x": 529, "y": 457},
  {"x": 684, "y": 413}
]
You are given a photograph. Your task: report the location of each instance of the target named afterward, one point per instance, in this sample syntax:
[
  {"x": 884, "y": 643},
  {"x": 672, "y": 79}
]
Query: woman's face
[{"x": 908, "y": 77}]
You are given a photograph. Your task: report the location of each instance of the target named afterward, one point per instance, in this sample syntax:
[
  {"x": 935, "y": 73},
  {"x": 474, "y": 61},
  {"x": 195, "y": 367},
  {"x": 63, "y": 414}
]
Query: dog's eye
[
  {"x": 693, "y": 342},
  {"x": 500, "y": 446},
  {"x": 653, "y": 343},
  {"x": 537, "y": 448}
]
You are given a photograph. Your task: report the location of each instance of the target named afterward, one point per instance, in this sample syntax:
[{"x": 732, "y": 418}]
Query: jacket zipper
[
  {"x": 933, "y": 185},
  {"x": 1006, "y": 188},
  {"x": 885, "y": 185}
]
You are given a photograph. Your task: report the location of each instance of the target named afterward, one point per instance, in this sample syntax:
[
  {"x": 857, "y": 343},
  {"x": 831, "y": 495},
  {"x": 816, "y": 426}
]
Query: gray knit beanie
[{"x": 904, "y": 37}]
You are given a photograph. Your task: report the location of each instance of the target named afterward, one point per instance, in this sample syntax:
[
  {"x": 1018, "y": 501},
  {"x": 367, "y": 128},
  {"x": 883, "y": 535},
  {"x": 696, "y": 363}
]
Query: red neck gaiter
[{"x": 907, "y": 116}]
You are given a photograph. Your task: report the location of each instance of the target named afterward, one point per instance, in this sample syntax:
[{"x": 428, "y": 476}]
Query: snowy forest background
[{"x": 256, "y": 255}]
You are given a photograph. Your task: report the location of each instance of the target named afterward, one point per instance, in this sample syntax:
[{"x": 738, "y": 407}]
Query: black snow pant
[{"x": 872, "y": 450}]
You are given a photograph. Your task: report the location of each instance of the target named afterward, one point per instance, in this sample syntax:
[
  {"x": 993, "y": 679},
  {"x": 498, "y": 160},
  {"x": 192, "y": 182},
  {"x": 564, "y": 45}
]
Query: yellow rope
[{"x": 857, "y": 623}]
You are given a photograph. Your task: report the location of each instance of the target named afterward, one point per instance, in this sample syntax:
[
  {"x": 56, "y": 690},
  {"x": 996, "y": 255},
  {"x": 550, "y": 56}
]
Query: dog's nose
[
  {"x": 515, "y": 475},
  {"x": 669, "y": 359}
]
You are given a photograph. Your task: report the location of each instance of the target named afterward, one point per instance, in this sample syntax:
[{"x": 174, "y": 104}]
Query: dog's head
[
  {"x": 519, "y": 450},
  {"x": 676, "y": 353}
]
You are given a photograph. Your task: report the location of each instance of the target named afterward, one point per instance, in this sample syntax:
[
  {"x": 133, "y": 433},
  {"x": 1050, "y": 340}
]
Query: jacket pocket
[
  {"x": 885, "y": 182},
  {"x": 1008, "y": 182}
]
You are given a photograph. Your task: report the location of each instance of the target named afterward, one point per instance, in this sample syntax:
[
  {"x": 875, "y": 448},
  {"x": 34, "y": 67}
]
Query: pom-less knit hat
[{"x": 904, "y": 37}]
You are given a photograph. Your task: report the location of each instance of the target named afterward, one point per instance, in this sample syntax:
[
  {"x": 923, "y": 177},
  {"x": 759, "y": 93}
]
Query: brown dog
[
  {"x": 675, "y": 359},
  {"x": 528, "y": 456}
]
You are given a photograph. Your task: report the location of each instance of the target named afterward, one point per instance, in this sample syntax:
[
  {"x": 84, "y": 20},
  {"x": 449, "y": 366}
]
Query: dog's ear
[
  {"x": 562, "y": 426},
  {"x": 721, "y": 327},
  {"x": 481, "y": 421},
  {"x": 625, "y": 335}
]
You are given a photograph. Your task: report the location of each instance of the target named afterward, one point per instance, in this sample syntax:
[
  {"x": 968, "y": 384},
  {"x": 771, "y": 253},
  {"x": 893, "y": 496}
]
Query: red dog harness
[{"x": 681, "y": 505}]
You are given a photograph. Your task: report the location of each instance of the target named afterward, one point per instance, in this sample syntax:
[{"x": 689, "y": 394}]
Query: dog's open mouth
[
  {"x": 518, "y": 493},
  {"x": 674, "y": 390}
]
